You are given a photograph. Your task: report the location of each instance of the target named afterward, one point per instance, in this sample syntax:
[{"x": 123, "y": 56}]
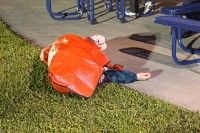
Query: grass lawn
[{"x": 29, "y": 104}]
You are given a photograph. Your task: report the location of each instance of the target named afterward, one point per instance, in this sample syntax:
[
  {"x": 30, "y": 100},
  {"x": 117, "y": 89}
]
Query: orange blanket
[{"x": 75, "y": 64}]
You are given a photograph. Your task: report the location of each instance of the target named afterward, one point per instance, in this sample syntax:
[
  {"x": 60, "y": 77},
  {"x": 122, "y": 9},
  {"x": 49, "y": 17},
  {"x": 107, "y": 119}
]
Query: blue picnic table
[{"x": 90, "y": 9}]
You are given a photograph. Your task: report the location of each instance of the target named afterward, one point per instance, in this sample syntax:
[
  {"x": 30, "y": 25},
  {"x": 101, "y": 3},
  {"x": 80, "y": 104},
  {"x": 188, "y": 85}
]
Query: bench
[
  {"x": 177, "y": 24},
  {"x": 77, "y": 14}
]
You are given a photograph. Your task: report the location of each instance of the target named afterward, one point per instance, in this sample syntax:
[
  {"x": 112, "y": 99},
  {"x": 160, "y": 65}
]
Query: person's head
[{"x": 100, "y": 41}]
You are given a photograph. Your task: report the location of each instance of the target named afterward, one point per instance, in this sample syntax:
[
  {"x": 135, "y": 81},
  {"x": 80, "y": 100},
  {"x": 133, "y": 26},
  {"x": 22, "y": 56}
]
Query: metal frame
[
  {"x": 77, "y": 14},
  {"x": 175, "y": 32},
  {"x": 177, "y": 24},
  {"x": 90, "y": 10},
  {"x": 177, "y": 28},
  {"x": 108, "y": 5},
  {"x": 120, "y": 9}
]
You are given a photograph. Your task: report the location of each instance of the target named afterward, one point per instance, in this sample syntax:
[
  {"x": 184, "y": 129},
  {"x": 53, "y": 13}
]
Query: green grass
[{"x": 29, "y": 104}]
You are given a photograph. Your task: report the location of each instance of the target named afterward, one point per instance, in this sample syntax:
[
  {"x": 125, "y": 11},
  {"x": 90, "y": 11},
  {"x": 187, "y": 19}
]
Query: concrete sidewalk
[{"x": 139, "y": 45}]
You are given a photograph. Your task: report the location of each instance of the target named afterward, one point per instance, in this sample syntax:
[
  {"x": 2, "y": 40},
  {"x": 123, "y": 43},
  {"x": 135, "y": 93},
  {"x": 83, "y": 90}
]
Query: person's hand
[{"x": 143, "y": 76}]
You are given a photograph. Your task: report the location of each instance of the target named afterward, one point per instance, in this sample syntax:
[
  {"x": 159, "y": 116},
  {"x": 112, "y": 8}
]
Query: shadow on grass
[{"x": 39, "y": 80}]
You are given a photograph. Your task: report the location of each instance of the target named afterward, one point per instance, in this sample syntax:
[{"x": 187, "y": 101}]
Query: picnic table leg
[
  {"x": 120, "y": 8},
  {"x": 192, "y": 51},
  {"x": 77, "y": 14},
  {"x": 108, "y": 5},
  {"x": 174, "y": 56},
  {"x": 90, "y": 11}
]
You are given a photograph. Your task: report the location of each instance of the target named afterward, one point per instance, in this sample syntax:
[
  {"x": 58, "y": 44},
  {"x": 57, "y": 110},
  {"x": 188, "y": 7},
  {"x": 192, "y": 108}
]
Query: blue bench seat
[
  {"x": 188, "y": 24},
  {"x": 177, "y": 24},
  {"x": 180, "y": 10}
]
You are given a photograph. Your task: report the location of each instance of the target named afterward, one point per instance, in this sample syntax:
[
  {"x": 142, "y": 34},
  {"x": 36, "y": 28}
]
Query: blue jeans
[{"x": 119, "y": 76}]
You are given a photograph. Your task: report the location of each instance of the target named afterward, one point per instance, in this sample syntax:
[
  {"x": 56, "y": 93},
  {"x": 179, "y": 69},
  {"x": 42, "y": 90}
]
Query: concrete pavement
[{"x": 139, "y": 45}]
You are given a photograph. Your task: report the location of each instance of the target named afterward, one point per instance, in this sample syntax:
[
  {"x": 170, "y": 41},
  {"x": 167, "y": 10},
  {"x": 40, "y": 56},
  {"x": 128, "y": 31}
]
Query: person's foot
[
  {"x": 130, "y": 14},
  {"x": 143, "y": 76}
]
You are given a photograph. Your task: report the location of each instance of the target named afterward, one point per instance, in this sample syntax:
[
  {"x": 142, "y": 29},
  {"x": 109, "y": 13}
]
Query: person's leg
[
  {"x": 132, "y": 6},
  {"x": 132, "y": 10},
  {"x": 119, "y": 76},
  {"x": 137, "y": 7},
  {"x": 123, "y": 76}
]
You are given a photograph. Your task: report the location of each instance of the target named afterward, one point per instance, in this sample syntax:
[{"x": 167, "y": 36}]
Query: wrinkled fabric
[
  {"x": 119, "y": 76},
  {"x": 75, "y": 64}
]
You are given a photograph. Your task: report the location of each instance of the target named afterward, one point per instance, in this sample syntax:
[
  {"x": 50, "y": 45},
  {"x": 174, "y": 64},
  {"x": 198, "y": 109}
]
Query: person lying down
[
  {"x": 77, "y": 65},
  {"x": 117, "y": 75}
]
